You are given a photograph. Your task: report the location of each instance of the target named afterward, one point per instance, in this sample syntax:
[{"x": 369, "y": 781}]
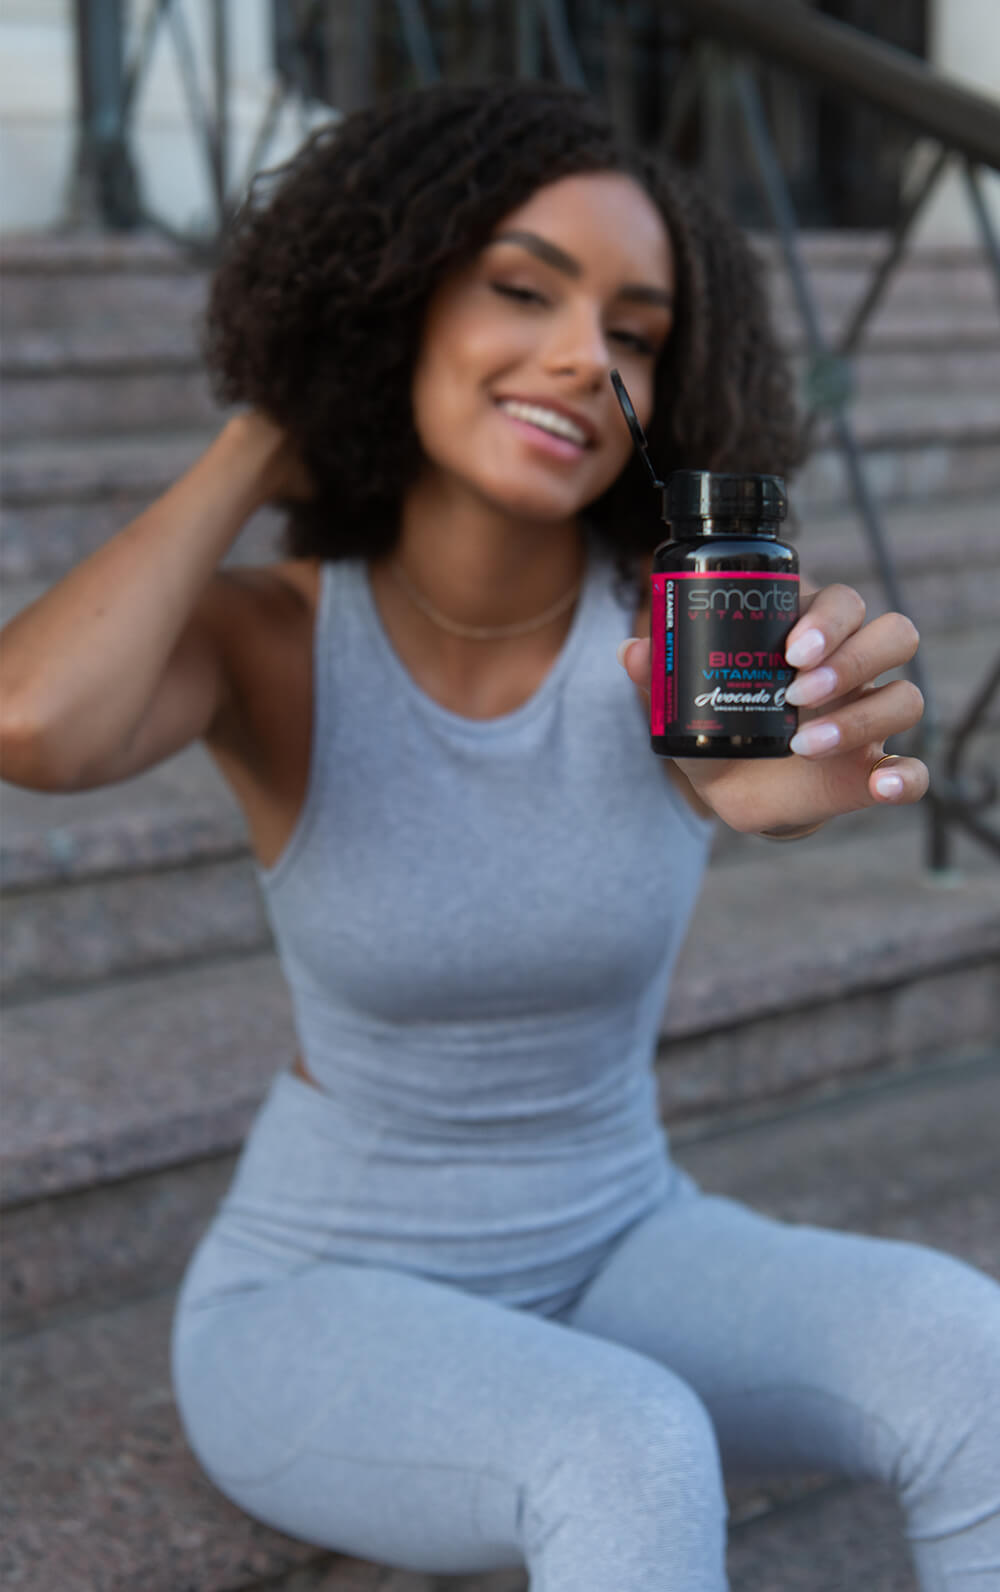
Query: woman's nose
[{"x": 578, "y": 347}]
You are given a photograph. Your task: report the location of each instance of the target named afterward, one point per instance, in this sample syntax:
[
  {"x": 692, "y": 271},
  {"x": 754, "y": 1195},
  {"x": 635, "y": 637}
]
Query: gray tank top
[{"x": 477, "y": 921}]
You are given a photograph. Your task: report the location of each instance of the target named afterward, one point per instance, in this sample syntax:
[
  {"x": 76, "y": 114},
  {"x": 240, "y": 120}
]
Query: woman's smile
[{"x": 552, "y": 428}]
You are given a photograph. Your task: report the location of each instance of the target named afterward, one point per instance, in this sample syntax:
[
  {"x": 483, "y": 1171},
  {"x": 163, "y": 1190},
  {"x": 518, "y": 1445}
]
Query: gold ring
[{"x": 887, "y": 757}]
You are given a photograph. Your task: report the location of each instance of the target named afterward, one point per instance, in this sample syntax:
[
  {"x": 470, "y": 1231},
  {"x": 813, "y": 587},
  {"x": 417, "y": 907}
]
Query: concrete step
[
  {"x": 114, "y": 1091},
  {"x": 925, "y": 315},
  {"x": 102, "y": 336},
  {"x": 132, "y": 380},
  {"x": 54, "y": 283},
  {"x": 842, "y": 263},
  {"x": 948, "y": 366},
  {"x": 61, "y": 499},
  {"x": 131, "y": 399},
  {"x": 93, "y": 1435},
  {"x": 96, "y": 399},
  {"x": 117, "y": 927},
  {"x": 156, "y": 871},
  {"x": 913, "y": 449},
  {"x": 946, "y": 554}
]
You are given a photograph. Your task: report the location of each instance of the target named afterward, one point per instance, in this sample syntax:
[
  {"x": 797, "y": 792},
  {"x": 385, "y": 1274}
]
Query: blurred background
[
  {"x": 836, "y": 1061},
  {"x": 845, "y": 161}
]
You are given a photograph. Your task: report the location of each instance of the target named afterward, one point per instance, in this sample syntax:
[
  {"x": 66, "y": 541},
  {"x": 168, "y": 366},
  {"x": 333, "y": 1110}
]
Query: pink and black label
[{"x": 718, "y": 653}]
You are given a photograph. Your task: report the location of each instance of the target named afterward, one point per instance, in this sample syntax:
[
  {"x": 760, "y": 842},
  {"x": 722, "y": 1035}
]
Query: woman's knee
[
  {"x": 642, "y": 1433},
  {"x": 941, "y": 1382},
  {"x": 630, "y": 1490}
]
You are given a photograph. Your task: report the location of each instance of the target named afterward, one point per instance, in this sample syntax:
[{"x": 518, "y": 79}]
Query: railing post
[
  {"x": 104, "y": 191},
  {"x": 350, "y": 34}
]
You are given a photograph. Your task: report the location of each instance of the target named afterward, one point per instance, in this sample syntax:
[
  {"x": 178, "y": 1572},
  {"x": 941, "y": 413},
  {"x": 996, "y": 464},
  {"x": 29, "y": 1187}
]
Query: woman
[{"x": 458, "y": 1309}]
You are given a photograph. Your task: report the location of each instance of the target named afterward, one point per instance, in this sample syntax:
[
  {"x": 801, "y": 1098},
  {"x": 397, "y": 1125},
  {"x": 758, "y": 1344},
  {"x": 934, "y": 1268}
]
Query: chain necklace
[{"x": 523, "y": 627}]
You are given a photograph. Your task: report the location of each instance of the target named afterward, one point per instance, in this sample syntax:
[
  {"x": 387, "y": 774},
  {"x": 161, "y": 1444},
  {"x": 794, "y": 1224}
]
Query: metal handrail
[{"x": 786, "y": 33}]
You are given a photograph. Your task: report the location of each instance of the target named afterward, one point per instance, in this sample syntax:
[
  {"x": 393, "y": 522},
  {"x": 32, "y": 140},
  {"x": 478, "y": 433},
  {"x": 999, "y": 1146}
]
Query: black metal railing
[{"x": 709, "y": 54}]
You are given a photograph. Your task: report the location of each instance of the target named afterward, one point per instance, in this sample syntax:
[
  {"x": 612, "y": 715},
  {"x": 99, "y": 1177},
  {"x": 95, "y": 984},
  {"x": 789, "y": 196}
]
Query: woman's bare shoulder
[{"x": 278, "y": 588}]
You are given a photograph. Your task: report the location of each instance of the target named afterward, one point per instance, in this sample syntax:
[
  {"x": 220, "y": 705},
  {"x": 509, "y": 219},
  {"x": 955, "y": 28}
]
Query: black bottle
[{"x": 725, "y": 594}]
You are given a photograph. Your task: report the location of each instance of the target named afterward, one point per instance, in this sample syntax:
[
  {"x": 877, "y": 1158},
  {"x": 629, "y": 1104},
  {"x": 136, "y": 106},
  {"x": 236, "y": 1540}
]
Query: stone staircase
[{"x": 842, "y": 1071}]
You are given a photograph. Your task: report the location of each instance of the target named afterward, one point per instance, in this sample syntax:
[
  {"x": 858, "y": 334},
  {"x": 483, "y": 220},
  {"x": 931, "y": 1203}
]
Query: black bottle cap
[{"x": 712, "y": 495}]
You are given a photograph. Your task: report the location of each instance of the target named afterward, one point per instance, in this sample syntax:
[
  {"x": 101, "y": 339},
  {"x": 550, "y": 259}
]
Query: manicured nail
[
  {"x": 814, "y": 738},
  {"x": 623, "y": 647},
  {"x": 806, "y": 649},
  {"x": 812, "y": 687},
  {"x": 889, "y": 785}
]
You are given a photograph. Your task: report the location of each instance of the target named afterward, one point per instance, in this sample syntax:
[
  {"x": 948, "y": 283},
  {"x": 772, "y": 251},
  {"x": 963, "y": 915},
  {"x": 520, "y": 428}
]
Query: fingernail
[
  {"x": 806, "y": 649},
  {"x": 623, "y": 647},
  {"x": 811, "y": 687},
  {"x": 815, "y": 738},
  {"x": 890, "y": 785}
]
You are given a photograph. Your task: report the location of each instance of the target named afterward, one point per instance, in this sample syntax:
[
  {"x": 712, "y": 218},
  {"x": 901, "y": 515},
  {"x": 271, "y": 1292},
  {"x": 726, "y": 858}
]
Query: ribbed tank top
[{"x": 477, "y": 921}]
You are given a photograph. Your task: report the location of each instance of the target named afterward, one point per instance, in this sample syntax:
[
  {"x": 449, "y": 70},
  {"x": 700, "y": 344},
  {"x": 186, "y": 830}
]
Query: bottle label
[{"x": 718, "y": 653}]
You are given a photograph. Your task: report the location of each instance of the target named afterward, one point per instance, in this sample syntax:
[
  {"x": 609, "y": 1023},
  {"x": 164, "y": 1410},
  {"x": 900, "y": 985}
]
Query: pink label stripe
[{"x": 657, "y": 683}]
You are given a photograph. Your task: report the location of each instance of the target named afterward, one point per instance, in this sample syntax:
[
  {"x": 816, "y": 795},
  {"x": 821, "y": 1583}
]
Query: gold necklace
[{"x": 483, "y": 632}]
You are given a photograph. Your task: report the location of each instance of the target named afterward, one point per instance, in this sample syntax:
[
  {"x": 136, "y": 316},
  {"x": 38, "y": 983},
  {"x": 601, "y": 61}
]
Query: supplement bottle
[{"x": 725, "y": 594}]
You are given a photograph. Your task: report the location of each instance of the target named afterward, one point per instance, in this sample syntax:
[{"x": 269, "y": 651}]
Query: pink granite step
[
  {"x": 946, "y": 553},
  {"x": 101, "y": 1491},
  {"x": 61, "y": 498},
  {"x": 83, "y": 399},
  {"x": 156, "y": 871},
  {"x": 947, "y": 556},
  {"x": 149, "y": 378},
  {"x": 132, "y": 1079},
  {"x": 51, "y": 277},
  {"x": 121, "y": 883}
]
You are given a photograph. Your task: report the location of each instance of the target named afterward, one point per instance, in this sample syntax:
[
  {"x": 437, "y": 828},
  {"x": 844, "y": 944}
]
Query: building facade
[{"x": 39, "y": 95}]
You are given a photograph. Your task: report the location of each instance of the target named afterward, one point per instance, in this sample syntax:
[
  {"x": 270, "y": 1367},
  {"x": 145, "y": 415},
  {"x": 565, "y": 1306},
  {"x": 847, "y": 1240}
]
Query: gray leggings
[{"x": 376, "y": 1412}]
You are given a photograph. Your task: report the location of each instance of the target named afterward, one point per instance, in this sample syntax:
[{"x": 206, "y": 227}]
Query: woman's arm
[{"x": 122, "y": 662}]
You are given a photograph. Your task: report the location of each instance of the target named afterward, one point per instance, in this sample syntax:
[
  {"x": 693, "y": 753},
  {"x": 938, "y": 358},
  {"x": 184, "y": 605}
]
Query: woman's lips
[{"x": 544, "y": 441}]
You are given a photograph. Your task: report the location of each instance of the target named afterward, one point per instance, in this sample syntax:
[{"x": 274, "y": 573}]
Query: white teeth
[{"x": 545, "y": 419}]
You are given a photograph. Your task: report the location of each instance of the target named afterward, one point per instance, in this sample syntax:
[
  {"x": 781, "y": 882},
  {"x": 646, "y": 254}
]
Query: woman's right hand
[{"x": 285, "y": 477}]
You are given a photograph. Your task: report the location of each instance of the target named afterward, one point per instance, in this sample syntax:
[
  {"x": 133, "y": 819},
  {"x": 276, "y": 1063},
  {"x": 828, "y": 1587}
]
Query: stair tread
[
  {"x": 92, "y": 1429},
  {"x": 184, "y": 810},
  {"x": 102, "y": 350},
  {"x": 879, "y": 1155},
  {"x": 137, "y": 1074},
  {"x": 133, "y": 343},
  {"x": 140, "y": 1073},
  {"x": 44, "y": 469},
  {"x": 181, "y": 810},
  {"x": 922, "y": 536}
]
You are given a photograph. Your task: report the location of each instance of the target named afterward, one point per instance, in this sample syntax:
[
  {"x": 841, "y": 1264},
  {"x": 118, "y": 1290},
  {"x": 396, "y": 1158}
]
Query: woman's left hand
[{"x": 844, "y": 722}]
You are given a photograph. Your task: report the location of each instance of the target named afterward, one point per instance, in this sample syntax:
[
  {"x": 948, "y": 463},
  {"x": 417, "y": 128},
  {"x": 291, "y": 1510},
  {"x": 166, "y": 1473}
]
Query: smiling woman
[
  {"x": 459, "y": 1309},
  {"x": 512, "y": 370},
  {"x": 321, "y": 307}
]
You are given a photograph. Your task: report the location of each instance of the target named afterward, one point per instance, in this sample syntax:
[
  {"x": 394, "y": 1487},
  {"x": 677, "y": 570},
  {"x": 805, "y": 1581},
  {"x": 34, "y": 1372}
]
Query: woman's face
[{"x": 511, "y": 394}]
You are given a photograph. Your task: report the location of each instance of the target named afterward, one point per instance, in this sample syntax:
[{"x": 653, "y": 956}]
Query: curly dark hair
[{"x": 316, "y": 310}]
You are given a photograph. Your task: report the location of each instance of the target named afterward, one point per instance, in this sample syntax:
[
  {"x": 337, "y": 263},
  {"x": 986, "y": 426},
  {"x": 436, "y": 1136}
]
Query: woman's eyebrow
[{"x": 551, "y": 254}]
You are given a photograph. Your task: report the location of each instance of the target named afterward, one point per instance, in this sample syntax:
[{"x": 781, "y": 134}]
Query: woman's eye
[
  {"x": 524, "y": 295},
  {"x": 636, "y": 341}
]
